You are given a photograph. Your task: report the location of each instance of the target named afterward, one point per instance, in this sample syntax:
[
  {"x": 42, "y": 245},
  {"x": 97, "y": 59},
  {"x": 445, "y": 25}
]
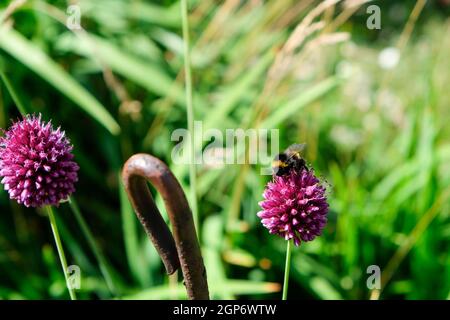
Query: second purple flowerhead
[
  {"x": 295, "y": 206},
  {"x": 36, "y": 163}
]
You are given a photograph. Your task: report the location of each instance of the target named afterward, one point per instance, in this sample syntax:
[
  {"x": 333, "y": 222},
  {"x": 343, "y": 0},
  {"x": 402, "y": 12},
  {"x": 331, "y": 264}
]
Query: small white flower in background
[
  {"x": 349, "y": 49},
  {"x": 348, "y": 138},
  {"x": 344, "y": 69},
  {"x": 371, "y": 122},
  {"x": 389, "y": 58},
  {"x": 392, "y": 106}
]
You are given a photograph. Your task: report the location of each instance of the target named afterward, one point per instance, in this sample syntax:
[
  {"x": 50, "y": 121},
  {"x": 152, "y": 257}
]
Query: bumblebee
[{"x": 289, "y": 159}]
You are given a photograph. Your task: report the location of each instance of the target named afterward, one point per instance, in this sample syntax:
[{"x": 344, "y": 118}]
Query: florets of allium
[
  {"x": 36, "y": 163},
  {"x": 295, "y": 206}
]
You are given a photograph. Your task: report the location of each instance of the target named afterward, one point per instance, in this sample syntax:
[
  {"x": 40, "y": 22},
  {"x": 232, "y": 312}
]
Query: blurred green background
[{"x": 372, "y": 106}]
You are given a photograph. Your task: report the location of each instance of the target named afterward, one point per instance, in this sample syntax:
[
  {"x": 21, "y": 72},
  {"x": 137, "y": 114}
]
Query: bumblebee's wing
[{"x": 295, "y": 148}]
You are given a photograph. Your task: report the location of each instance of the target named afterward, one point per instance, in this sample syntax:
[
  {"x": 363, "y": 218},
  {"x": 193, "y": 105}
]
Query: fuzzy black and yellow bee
[{"x": 289, "y": 159}]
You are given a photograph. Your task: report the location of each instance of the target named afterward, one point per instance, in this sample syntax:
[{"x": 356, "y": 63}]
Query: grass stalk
[
  {"x": 102, "y": 262},
  {"x": 15, "y": 97},
  {"x": 190, "y": 113}
]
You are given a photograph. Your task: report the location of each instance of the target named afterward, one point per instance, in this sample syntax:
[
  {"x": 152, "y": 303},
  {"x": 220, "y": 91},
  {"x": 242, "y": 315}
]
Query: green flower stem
[
  {"x": 190, "y": 112},
  {"x": 287, "y": 269},
  {"x": 103, "y": 264},
  {"x": 15, "y": 97},
  {"x": 60, "y": 249}
]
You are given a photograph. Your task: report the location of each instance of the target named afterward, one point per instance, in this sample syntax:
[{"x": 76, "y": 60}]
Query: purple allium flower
[
  {"x": 295, "y": 206},
  {"x": 36, "y": 163}
]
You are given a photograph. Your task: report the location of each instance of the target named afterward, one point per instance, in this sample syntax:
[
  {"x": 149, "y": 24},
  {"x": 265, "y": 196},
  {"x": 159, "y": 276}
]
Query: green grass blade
[
  {"x": 12, "y": 91},
  {"x": 147, "y": 12},
  {"x": 235, "y": 92},
  {"x": 131, "y": 238},
  {"x": 288, "y": 109},
  {"x": 142, "y": 72},
  {"x": 142, "y": 11},
  {"x": 190, "y": 115},
  {"x": 30, "y": 55},
  {"x": 233, "y": 287},
  {"x": 104, "y": 265}
]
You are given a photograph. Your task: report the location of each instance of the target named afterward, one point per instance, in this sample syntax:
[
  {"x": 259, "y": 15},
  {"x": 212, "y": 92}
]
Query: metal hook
[{"x": 181, "y": 249}]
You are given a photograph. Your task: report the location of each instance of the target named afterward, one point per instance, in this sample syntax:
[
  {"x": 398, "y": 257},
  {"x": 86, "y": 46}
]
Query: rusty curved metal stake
[{"x": 181, "y": 249}]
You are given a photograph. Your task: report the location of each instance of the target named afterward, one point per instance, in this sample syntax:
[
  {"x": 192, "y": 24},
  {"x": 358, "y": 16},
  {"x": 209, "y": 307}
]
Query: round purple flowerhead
[
  {"x": 295, "y": 206},
  {"x": 36, "y": 163}
]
